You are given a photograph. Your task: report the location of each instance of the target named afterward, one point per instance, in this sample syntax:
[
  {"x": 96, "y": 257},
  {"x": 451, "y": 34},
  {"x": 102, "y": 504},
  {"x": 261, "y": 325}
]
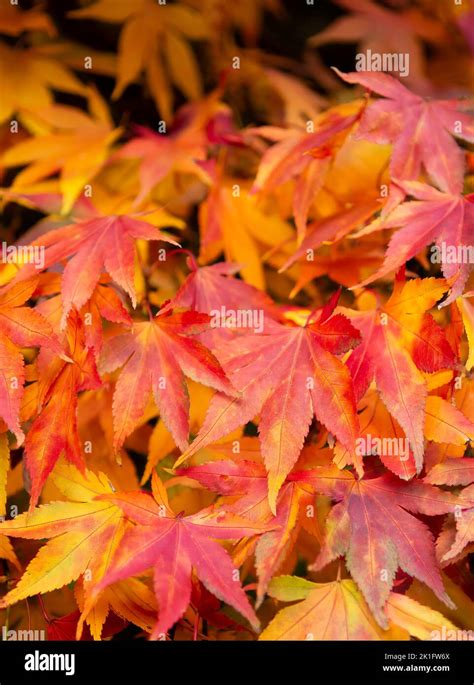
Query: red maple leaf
[
  {"x": 174, "y": 546},
  {"x": 103, "y": 243},
  {"x": 19, "y": 327},
  {"x": 421, "y": 130},
  {"x": 373, "y": 527},
  {"x": 288, "y": 376},
  {"x": 156, "y": 354}
]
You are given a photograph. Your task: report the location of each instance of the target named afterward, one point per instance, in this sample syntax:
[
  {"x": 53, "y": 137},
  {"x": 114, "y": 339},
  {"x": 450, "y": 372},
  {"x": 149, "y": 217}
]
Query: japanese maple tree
[{"x": 236, "y": 322}]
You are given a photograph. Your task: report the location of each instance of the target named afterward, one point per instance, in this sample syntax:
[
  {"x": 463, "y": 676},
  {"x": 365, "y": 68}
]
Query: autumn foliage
[{"x": 236, "y": 322}]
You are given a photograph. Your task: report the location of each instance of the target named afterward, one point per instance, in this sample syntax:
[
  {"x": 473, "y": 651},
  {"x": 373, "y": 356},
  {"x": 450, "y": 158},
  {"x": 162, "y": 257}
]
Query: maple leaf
[
  {"x": 154, "y": 40},
  {"x": 156, "y": 355},
  {"x": 462, "y": 399},
  {"x": 104, "y": 303},
  {"x": 130, "y": 599},
  {"x": 420, "y": 130},
  {"x": 340, "y": 434},
  {"x": 84, "y": 531},
  {"x": 237, "y": 224},
  {"x": 452, "y": 472},
  {"x": 211, "y": 289},
  {"x": 380, "y": 31},
  {"x": 443, "y": 218},
  {"x": 74, "y": 144},
  {"x": 288, "y": 376},
  {"x": 183, "y": 149},
  {"x": 174, "y": 152},
  {"x": 23, "y": 325},
  {"x": 464, "y": 534},
  {"x": 337, "y": 611},
  {"x": 173, "y": 546},
  {"x": 103, "y": 243},
  {"x": 19, "y": 327},
  {"x": 373, "y": 526},
  {"x": 303, "y": 156},
  {"x": 445, "y": 423},
  {"x": 54, "y": 430},
  {"x": 327, "y": 611},
  {"x": 342, "y": 263},
  {"x": 247, "y": 480},
  {"x": 419, "y": 620},
  {"x": 398, "y": 339},
  {"x": 64, "y": 629},
  {"x": 209, "y": 608},
  {"x": 457, "y": 472},
  {"x": 381, "y": 436},
  {"x": 333, "y": 228},
  {"x": 28, "y": 75}
]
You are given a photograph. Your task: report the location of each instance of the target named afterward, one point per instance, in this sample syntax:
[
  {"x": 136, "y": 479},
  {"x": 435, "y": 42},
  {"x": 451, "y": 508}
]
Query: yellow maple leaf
[
  {"x": 71, "y": 142},
  {"x": 27, "y": 76},
  {"x": 154, "y": 40},
  {"x": 337, "y": 611}
]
